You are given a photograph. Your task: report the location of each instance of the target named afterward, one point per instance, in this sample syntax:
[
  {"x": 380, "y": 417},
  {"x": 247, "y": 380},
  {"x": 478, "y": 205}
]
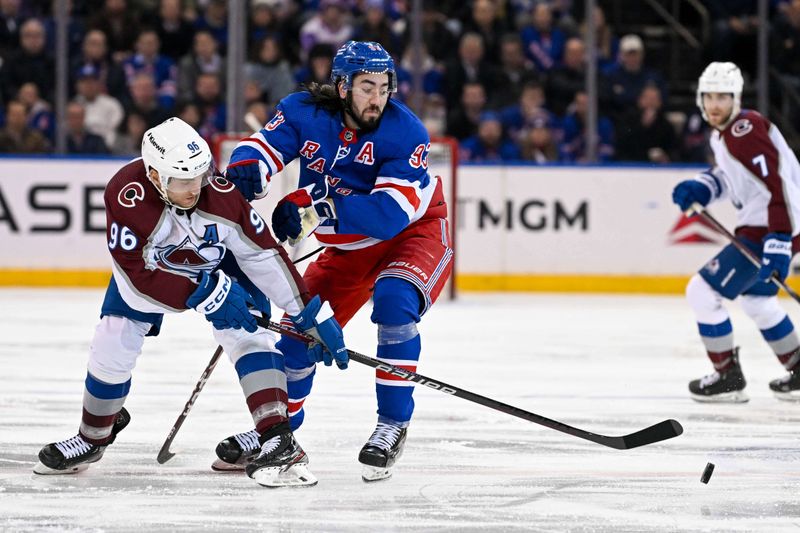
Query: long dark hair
[{"x": 325, "y": 96}]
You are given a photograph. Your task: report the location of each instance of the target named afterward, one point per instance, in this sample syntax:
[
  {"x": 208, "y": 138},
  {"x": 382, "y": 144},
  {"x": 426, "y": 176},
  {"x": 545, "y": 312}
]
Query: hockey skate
[
  {"x": 788, "y": 387},
  {"x": 381, "y": 451},
  {"x": 75, "y": 455},
  {"x": 236, "y": 451},
  {"x": 282, "y": 462},
  {"x": 725, "y": 387}
]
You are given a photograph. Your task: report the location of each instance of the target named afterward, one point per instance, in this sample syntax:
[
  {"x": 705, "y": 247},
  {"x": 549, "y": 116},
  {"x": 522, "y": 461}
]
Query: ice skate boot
[
  {"x": 75, "y": 455},
  {"x": 381, "y": 451},
  {"x": 724, "y": 387},
  {"x": 236, "y": 451},
  {"x": 788, "y": 387},
  {"x": 281, "y": 461}
]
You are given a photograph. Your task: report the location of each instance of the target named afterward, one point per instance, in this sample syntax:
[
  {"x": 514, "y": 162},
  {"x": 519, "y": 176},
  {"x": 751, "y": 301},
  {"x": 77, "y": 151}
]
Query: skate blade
[
  {"x": 296, "y": 475},
  {"x": 793, "y": 396},
  {"x": 371, "y": 474},
  {"x": 725, "y": 397},
  {"x": 221, "y": 466},
  {"x": 43, "y": 470}
]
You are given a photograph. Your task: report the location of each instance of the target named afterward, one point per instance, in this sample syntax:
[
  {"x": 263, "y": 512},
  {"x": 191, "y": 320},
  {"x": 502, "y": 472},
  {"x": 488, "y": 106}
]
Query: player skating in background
[
  {"x": 170, "y": 224},
  {"x": 366, "y": 194},
  {"x": 759, "y": 173}
]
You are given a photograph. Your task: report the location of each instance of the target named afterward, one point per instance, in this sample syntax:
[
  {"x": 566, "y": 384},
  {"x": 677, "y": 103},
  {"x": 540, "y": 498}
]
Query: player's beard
[{"x": 363, "y": 124}]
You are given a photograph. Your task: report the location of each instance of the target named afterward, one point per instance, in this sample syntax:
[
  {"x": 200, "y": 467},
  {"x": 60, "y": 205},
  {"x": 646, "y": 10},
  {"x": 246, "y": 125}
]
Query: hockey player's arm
[
  {"x": 257, "y": 158},
  {"x": 703, "y": 189}
]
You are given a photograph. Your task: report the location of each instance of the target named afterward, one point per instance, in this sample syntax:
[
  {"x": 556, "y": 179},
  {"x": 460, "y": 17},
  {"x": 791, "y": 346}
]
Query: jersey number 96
[{"x": 121, "y": 236}]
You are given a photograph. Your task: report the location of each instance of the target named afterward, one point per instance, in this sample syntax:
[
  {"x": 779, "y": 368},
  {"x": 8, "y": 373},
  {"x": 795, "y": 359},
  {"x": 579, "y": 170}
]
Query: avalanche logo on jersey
[
  {"x": 741, "y": 127},
  {"x": 187, "y": 259}
]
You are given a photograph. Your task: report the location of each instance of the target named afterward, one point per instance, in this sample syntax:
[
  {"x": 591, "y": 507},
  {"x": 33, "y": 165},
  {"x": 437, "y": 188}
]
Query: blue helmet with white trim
[{"x": 355, "y": 57}]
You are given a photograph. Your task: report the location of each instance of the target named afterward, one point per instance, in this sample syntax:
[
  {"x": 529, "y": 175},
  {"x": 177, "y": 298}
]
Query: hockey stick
[
  {"x": 705, "y": 215},
  {"x": 664, "y": 430},
  {"x": 164, "y": 454}
]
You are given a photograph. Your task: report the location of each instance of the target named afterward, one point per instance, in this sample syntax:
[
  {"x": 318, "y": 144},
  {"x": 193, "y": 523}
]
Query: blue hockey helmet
[{"x": 355, "y": 57}]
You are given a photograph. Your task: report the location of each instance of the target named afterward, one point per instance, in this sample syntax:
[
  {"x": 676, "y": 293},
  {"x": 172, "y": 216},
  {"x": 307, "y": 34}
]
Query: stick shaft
[{"x": 658, "y": 432}]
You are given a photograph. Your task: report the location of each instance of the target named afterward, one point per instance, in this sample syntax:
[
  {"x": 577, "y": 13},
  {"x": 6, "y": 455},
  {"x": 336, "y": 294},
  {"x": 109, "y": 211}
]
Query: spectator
[
  {"x": 331, "y": 25},
  {"x": 607, "y": 45},
  {"x": 30, "y": 63},
  {"x": 174, "y": 31},
  {"x": 149, "y": 59},
  {"x": 432, "y": 75},
  {"x": 214, "y": 19},
  {"x": 104, "y": 113},
  {"x": 438, "y": 38},
  {"x": 489, "y": 144},
  {"x": 208, "y": 97},
  {"x": 40, "y": 112},
  {"x": 76, "y": 29},
  {"x": 190, "y": 113},
  {"x": 79, "y": 140},
  {"x": 516, "y": 71},
  {"x": 538, "y": 143},
  {"x": 204, "y": 59},
  {"x": 95, "y": 55},
  {"x": 121, "y": 27},
  {"x": 257, "y": 114},
  {"x": 318, "y": 66},
  {"x": 462, "y": 121},
  {"x": 544, "y": 44},
  {"x": 694, "y": 146},
  {"x": 529, "y": 110},
  {"x": 573, "y": 149},
  {"x": 486, "y": 22},
  {"x": 17, "y": 137},
  {"x": 264, "y": 22},
  {"x": 10, "y": 21},
  {"x": 375, "y": 26},
  {"x": 469, "y": 67},
  {"x": 144, "y": 100},
  {"x": 644, "y": 134},
  {"x": 567, "y": 79},
  {"x": 270, "y": 71},
  {"x": 625, "y": 81},
  {"x": 129, "y": 142},
  {"x": 733, "y": 32}
]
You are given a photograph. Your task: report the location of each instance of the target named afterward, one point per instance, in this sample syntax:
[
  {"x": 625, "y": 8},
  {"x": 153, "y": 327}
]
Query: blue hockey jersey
[{"x": 378, "y": 179}]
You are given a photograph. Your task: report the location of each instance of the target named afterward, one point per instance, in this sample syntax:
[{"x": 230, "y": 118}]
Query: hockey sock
[
  {"x": 776, "y": 328},
  {"x": 399, "y": 346},
  {"x": 101, "y": 403},
  {"x": 299, "y": 376},
  {"x": 718, "y": 340},
  {"x": 263, "y": 381}
]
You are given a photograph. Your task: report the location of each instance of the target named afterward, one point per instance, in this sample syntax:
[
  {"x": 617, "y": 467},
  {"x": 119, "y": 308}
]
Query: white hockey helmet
[
  {"x": 179, "y": 154},
  {"x": 719, "y": 77}
]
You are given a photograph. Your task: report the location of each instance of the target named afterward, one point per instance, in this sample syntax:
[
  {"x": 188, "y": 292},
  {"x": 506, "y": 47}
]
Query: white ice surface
[{"x": 608, "y": 364}]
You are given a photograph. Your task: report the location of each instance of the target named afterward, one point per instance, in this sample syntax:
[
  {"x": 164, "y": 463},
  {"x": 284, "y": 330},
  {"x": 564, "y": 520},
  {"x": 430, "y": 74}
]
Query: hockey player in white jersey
[
  {"x": 760, "y": 174},
  {"x": 178, "y": 237}
]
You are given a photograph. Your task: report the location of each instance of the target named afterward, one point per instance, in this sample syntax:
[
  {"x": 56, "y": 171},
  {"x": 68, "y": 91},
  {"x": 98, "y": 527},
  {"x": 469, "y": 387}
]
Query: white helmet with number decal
[
  {"x": 178, "y": 153},
  {"x": 719, "y": 77}
]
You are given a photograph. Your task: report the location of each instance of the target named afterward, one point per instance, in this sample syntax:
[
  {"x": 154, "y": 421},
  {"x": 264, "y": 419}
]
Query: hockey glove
[
  {"x": 250, "y": 176},
  {"x": 299, "y": 213},
  {"x": 223, "y": 301},
  {"x": 776, "y": 256},
  {"x": 688, "y": 192},
  {"x": 317, "y": 321}
]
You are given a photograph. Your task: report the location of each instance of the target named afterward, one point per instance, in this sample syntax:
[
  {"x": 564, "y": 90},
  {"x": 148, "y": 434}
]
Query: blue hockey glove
[
  {"x": 299, "y": 213},
  {"x": 317, "y": 321},
  {"x": 249, "y": 177},
  {"x": 688, "y": 192},
  {"x": 223, "y": 302},
  {"x": 776, "y": 256}
]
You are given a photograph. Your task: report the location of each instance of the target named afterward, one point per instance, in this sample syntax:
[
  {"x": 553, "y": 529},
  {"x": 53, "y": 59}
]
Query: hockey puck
[{"x": 707, "y": 473}]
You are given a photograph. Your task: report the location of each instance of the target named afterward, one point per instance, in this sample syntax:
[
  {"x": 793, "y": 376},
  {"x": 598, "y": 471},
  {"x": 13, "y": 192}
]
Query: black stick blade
[
  {"x": 164, "y": 455},
  {"x": 664, "y": 430}
]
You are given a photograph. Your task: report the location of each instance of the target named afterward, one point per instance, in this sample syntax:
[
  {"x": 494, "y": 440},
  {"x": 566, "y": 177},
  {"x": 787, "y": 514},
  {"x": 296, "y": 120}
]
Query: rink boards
[{"x": 519, "y": 228}]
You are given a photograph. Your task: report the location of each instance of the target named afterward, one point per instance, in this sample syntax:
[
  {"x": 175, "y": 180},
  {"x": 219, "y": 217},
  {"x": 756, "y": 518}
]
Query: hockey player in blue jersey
[{"x": 365, "y": 192}]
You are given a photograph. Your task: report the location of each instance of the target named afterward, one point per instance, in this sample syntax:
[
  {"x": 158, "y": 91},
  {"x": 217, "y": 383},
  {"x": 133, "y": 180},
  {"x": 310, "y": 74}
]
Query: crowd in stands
[{"x": 504, "y": 77}]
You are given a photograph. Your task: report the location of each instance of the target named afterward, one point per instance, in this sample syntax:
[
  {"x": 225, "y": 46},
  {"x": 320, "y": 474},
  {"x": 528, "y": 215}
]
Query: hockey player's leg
[
  {"x": 778, "y": 330},
  {"x": 396, "y": 312},
  {"x": 727, "y": 383},
  {"x": 116, "y": 345},
  {"x": 273, "y": 458}
]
